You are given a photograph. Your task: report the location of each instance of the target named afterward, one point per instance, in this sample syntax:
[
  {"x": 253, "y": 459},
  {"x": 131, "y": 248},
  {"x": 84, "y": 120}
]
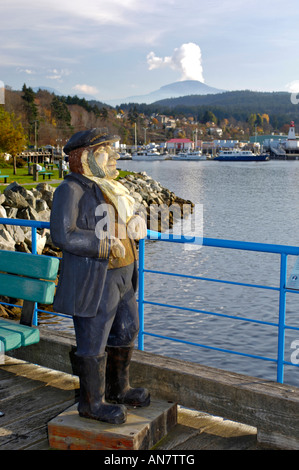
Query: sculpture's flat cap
[{"x": 89, "y": 138}]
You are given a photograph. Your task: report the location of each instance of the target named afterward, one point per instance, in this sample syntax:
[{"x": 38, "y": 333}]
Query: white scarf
[{"x": 116, "y": 192}]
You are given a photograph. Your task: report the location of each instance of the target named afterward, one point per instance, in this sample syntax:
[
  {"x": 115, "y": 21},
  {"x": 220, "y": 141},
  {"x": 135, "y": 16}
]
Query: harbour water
[{"x": 256, "y": 202}]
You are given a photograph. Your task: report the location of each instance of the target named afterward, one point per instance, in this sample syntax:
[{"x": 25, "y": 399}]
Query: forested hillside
[
  {"x": 47, "y": 119},
  {"x": 238, "y": 105}
]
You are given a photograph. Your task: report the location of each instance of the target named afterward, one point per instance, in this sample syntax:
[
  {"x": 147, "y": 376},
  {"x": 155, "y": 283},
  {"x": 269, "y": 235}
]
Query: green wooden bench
[
  {"x": 31, "y": 278},
  {"x": 45, "y": 173},
  {"x": 4, "y": 176}
]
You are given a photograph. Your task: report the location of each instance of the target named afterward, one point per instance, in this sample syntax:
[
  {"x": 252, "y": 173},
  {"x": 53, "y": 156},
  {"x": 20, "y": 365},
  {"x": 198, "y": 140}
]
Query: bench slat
[
  {"x": 27, "y": 289},
  {"x": 43, "y": 267},
  {"x": 13, "y": 335}
]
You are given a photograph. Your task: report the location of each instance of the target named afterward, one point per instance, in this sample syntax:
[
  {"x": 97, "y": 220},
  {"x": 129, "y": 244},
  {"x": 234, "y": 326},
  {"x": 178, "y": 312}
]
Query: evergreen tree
[
  {"x": 60, "y": 111},
  {"x": 209, "y": 117},
  {"x": 104, "y": 113},
  {"x": 31, "y": 111}
]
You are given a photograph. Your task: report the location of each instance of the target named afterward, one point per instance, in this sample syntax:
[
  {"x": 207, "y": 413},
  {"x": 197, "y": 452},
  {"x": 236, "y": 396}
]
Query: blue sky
[{"x": 120, "y": 48}]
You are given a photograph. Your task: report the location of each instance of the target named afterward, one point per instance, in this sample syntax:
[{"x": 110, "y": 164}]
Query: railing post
[
  {"x": 141, "y": 294},
  {"x": 281, "y": 320},
  {"x": 34, "y": 251},
  {"x": 33, "y": 240}
]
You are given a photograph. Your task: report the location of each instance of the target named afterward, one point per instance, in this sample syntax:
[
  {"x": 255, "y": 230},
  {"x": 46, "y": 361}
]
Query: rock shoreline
[{"x": 17, "y": 202}]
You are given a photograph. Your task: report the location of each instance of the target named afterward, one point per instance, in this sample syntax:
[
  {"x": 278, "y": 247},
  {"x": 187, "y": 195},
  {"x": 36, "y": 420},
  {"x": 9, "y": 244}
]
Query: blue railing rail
[{"x": 282, "y": 250}]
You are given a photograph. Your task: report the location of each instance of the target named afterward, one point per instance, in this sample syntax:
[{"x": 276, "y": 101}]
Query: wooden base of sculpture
[{"x": 143, "y": 429}]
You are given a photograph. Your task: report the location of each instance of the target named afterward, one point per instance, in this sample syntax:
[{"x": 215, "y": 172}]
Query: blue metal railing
[{"x": 282, "y": 250}]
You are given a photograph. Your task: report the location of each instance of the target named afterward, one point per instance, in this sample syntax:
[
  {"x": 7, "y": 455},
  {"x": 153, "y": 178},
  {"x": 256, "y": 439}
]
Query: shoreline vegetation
[{"x": 25, "y": 199}]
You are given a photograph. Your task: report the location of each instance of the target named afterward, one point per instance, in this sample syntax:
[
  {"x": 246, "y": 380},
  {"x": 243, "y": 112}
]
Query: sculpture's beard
[
  {"x": 103, "y": 175},
  {"x": 94, "y": 167}
]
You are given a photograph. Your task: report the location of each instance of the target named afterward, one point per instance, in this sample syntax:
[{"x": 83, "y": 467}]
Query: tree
[
  {"x": 209, "y": 117},
  {"x": 132, "y": 115},
  {"x": 251, "y": 121},
  {"x": 12, "y": 136},
  {"x": 60, "y": 111},
  {"x": 31, "y": 110},
  {"x": 104, "y": 113}
]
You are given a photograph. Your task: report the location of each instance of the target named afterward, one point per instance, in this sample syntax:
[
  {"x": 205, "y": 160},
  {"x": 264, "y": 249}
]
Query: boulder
[
  {"x": 41, "y": 205},
  {"x": 16, "y": 233},
  {"x": 15, "y": 199},
  {"x": 6, "y": 240},
  {"x": 3, "y": 212}
]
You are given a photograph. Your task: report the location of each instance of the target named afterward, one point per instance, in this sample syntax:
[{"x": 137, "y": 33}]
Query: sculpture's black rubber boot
[
  {"x": 91, "y": 370},
  {"x": 118, "y": 389}
]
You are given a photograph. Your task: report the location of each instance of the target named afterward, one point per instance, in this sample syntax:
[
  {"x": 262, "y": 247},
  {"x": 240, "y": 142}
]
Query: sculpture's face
[
  {"x": 102, "y": 161},
  {"x": 106, "y": 157}
]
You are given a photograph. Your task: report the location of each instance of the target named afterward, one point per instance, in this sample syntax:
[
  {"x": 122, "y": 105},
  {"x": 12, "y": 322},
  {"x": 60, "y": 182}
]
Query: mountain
[
  {"x": 174, "y": 90},
  {"x": 46, "y": 88}
]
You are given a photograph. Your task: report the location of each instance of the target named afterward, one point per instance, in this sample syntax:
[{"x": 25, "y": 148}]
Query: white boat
[
  {"x": 191, "y": 155},
  {"x": 125, "y": 156},
  {"x": 148, "y": 155},
  {"x": 240, "y": 156}
]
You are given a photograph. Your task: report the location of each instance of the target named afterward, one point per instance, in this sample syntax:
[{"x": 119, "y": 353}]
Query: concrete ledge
[{"x": 270, "y": 407}]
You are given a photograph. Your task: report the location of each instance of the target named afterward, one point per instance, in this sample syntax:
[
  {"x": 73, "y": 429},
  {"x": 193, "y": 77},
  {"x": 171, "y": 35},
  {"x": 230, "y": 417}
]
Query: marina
[{"x": 266, "y": 148}]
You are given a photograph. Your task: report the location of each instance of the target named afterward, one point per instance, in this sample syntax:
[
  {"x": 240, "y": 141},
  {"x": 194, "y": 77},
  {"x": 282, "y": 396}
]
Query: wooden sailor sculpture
[{"x": 94, "y": 223}]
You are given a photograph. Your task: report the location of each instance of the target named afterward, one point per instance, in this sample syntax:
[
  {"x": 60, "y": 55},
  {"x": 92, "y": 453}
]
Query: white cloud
[
  {"x": 56, "y": 74},
  {"x": 186, "y": 59},
  {"x": 293, "y": 87},
  {"x": 27, "y": 71},
  {"x": 89, "y": 90}
]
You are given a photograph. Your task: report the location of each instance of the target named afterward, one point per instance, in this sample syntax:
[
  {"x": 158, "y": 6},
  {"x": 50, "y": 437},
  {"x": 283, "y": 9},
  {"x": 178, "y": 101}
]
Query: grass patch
[{"x": 23, "y": 178}]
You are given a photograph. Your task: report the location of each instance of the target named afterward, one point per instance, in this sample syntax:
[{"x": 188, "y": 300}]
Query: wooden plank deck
[{"x": 31, "y": 395}]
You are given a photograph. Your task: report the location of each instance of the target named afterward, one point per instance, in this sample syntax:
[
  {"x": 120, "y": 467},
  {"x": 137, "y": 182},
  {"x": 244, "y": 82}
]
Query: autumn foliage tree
[{"x": 12, "y": 136}]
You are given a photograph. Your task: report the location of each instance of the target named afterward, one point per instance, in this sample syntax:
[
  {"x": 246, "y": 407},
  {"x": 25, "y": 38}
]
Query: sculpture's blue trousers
[{"x": 116, "y": 322}]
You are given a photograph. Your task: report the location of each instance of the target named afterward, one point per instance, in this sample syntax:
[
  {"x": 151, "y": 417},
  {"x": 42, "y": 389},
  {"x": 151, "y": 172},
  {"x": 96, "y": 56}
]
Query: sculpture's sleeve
[{"x": 66, "y": 234}]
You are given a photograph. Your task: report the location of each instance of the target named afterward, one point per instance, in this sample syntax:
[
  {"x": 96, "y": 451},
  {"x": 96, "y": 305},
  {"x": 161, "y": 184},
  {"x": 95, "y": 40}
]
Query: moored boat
[
  {"x": 191, "y": 155},
  {"x": 148, "y": 155},
  {"x": 125, "y": 156},
  {"x": 240, "y": 156}
]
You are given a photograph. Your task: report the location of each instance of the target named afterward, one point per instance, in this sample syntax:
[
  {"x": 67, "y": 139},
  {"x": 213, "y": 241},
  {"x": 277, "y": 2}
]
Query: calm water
[{"x": 256, "y": 202}]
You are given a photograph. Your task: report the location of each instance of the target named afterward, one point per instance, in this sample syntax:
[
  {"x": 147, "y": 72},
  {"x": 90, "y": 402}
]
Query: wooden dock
[
  {"x": 31, "y": 395},
  {"x": 211, "y": 402}
]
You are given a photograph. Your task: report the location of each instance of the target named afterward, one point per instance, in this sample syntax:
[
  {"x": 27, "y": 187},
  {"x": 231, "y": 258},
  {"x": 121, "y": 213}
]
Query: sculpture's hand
[
  {"x": 117, "y": 248},
  {"x": 137, "y": 228}
]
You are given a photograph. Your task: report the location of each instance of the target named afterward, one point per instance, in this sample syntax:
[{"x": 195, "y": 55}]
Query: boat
[
  {"x": 240, "y": 156},
  {"x": 190, "y": 155},
  {"x": 125, "y": 156},
  {"x": 149, "y": 155}
]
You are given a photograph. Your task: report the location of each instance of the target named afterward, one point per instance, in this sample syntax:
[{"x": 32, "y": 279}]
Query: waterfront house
[{"x": 178, "y": 145}]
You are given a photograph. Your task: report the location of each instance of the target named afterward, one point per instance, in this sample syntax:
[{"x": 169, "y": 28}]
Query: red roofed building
[{"x": 179, "y": 144}]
